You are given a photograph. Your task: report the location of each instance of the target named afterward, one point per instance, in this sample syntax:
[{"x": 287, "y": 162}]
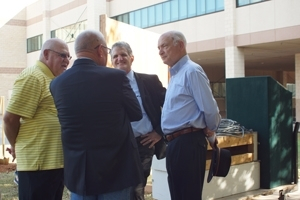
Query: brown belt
[{"x": 176, "y": 134}]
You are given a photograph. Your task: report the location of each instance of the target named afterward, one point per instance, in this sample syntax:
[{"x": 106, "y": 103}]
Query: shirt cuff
[{"x": 212, "y": 138}]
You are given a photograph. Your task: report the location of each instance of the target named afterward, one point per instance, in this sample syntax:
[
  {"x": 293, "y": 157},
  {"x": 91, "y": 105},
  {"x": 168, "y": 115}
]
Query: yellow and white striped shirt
[{"x": 38, "y": 144}]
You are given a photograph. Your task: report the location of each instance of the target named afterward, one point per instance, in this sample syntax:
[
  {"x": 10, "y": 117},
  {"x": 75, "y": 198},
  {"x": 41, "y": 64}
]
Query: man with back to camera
[
  {"x": 32, "y": 127},
  {"x": 190, "y": 99},
  {"x": 151, "y": 94},
  {"x": 95, "y": 106}
]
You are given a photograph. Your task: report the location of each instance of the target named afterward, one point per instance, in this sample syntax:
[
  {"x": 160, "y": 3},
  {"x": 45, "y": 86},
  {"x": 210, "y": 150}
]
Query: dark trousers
[
  {"x": 146, "y": 155},
  {"x": 185, "y": 163},
  {"x": 44, "y": 184}
]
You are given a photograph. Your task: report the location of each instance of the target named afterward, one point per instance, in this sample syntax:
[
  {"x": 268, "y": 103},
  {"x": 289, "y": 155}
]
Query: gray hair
[
  {"x": 124, "y": 45},
  {"x": 177, "y": 36}
]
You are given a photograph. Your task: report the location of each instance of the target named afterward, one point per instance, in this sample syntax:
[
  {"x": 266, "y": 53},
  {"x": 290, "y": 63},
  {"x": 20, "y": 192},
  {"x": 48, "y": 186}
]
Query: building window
[
  {"x": 166, "y": 12},
  {"x": 70, "y": 33},
  {"x": 158, "y": 14},
  {"x": 151, "y": 16},
  {"x": 34, "y": 43},
  {"x": 192, "y": 9},
  {"x": 170, "y": 11},
  {"x": 131, "y": 19},
  {"x": 174, "y": 10},
  {"x": 144, "y": 16},
  {"x": 183, "y": 11},
  {"x": 126, "y": 18},
  {"x": 247, "y": 2},
  {"x": 201, "y": 7},
  {"x": 219, "y": 5}
]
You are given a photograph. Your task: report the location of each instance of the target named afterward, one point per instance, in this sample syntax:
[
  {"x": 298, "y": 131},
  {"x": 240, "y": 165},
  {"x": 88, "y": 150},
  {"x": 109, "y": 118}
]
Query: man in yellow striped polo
[{"x": 32, "y": 127}]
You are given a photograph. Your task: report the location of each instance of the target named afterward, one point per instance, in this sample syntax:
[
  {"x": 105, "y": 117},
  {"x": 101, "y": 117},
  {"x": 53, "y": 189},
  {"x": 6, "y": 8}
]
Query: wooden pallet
[{"x": 243, "y": 149}]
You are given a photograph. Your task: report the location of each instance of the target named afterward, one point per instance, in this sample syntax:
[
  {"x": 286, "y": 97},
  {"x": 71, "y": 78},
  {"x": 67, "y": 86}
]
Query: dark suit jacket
[
  {"x": 95, "y": 105},
  {"x": 153, "y": 97}
]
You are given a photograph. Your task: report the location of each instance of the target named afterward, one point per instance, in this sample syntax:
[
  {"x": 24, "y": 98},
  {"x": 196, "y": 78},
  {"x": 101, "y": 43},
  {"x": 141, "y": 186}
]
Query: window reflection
[
  {"x": 210, "y": 6},
  {"x": 158, "y": 14},
  {"x": 131, "y": 18},
  {"x": 137, "y": 18},
  {"x": 144, "y": 17},
  {"x": 192, "y": 9},
  {"x": 34, "y": 43},
  {"x": 169, "y": 11},
  {"x": 69, "y": 33},
  {"x": 201, "y": 7},
  {"x": 183, "y": 9},
  {"x": 151, "y": 16},
  {"x": 247, "y": 2},
  {"x": 174, "y": 10},
  {"x": 166, "y": 12}
]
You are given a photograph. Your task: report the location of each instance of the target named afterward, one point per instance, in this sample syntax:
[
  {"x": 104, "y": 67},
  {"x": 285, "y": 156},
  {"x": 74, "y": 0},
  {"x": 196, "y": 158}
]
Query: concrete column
[
  {"x": 95, "y": 8},
  {"x": 235, "y": 62},
  {"x": 46, "y": 20},
  {"x": 234, "y": 56},
  {"x": 297, "y": 85}
]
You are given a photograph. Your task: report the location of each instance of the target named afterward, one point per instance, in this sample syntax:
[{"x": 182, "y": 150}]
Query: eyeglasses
[
  {"x": 108, "y": 49},
  {"x": 63, "y": 55}
]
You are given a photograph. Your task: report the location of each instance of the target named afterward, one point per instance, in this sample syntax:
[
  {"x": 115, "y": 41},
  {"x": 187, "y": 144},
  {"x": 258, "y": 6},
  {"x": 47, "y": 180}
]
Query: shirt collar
[
  {"x": 130, "y": 75},
  {"x": 176, "y": 68},
  {"x": 45, "y": 69}
]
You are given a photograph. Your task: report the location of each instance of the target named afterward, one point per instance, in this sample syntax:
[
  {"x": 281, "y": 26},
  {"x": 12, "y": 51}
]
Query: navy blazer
[
  {"x": 95, "y": 106},
  {"x": 153, "y": 97}
]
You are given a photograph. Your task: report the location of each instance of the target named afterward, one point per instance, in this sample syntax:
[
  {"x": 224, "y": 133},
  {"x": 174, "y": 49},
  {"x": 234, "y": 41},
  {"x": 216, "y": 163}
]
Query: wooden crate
[{"x": 243, "y": 149}]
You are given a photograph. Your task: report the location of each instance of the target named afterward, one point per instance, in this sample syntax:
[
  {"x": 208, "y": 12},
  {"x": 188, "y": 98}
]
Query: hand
[
  {"x": 211, "y": 137},
  {"x": 213, "y": 141},
  {"x": 12, "y": 152},
  {"x": 208, "y": 132},
  {"x": 150, "y": 138}
]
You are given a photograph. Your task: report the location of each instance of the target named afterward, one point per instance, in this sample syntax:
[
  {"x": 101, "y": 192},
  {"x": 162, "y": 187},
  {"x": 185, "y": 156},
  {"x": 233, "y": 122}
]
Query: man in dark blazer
[
  {"x": 95, "y": 106},
  {"x": 150, "y": 93}
]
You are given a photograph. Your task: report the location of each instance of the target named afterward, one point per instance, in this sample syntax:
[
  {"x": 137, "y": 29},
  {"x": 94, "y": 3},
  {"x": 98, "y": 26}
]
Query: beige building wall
[
  {"x": 270, "y": 15},
  {"x": 13, "y": 42},
  {"x": 60, "y": 14},
  {"x": 12, "y": 51},
  {"x": 67, "y": 15},
  {"x": 43, "y": 16},
  {"x": 258, "y": 23},
  {"x": 117, "y": 7},
  {"x": 196, "y": 29},
  {"x": 264, "y": 22}
]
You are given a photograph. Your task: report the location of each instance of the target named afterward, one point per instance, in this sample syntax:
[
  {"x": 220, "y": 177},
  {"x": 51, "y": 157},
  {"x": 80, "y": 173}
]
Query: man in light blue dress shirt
[
  {"x": 190, "y": 115},
  {"x": 150, "y": 94}
]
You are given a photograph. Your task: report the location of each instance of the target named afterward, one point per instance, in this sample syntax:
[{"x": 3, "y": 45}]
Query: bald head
[
  {"x": 55, "y": 55},
  {"x": 88, "y": 40},
  {"x": 53, "y": 43},
  {"x": 89, "y": 44}
]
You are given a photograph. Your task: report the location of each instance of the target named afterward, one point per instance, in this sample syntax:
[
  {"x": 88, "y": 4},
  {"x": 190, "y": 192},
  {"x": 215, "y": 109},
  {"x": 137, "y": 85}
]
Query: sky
[{"x": 9, "y": 8}]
